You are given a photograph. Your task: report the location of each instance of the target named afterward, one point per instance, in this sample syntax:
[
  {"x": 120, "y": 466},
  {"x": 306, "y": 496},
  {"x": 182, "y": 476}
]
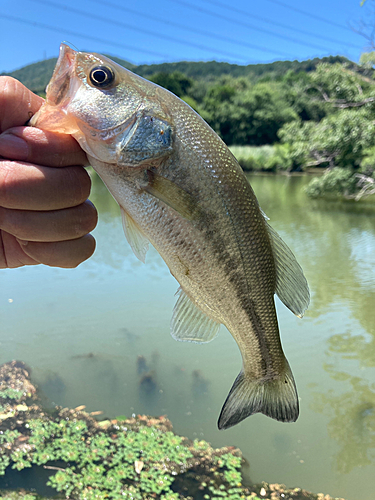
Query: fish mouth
[
  {"x": 52, "y": 115},
  {"x": 60, "y": 84}
]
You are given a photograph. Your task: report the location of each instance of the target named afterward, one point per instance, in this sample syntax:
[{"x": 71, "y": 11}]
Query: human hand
[{"x": 45, "y": 216}]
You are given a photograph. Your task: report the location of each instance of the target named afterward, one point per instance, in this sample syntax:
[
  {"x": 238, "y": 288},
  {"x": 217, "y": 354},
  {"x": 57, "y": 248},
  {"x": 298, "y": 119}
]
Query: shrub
[{"x": 336, "y": 183}]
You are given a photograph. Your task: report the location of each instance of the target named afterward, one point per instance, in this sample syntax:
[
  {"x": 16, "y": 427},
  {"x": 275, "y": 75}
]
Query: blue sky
[{"x": 150, "y": 31}]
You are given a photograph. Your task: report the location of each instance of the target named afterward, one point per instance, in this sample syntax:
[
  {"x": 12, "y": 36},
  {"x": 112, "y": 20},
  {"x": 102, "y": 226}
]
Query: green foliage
[
  {"x": 339, "y": 84},
  {"x": 213, "y": 70},
  {"x": 367, "y": 60},
  {"x": 230, "y": 467},
  {"x": 9, "y": 393},
  {"x": 338, "y": 140},
  {"x": 300, "y": 99},
  {"x": 263, "y": 158},
  {"x": 8, "y": 396},
  {"x": 100, "y": 465},
  {"x": 368, "y": 161},
  {"x": 176, "y": 82},
  {"x": 253, "y": 158},
  {"x": 20, "y": 495},
  {"x": 242, "y": 113},
  {"x": 334, "y": 183},
  {"x": 135, "y": 461}
]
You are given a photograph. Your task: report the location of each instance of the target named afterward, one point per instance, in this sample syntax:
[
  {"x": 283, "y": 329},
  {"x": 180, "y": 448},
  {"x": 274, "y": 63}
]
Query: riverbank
[{"x": 78, "y": 456}]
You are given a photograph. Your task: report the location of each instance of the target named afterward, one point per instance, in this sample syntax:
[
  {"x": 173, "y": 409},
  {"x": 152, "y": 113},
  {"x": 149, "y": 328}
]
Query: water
[{"x": 82, "y": 332}]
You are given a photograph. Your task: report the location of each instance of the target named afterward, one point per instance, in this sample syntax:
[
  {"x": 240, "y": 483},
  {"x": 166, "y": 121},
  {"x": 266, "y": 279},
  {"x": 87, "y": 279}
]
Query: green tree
[
  {"x": 367, "y": 60},
  {"x": 242, "y": 113},
  {"x": 340, "y": 140},
  {"x": 176, "y": 82},
  {"x": 306, "y": 107},
  {"x": 343, "y": 139}
]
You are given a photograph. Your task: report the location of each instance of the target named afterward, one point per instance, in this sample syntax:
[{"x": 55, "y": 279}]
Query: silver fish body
[{"x": 181, "y": 189}]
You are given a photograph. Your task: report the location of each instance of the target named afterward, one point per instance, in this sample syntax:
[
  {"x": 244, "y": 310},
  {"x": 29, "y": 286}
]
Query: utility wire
[
  {"x": 75, "y": 33},
  {"x": 308, "y": 14},
  {"x": 187, "y": 28},
  {"x": 139, "y": 30},
  {"x": 274, "y": 23},
  {"x": 247, "y": 25}
]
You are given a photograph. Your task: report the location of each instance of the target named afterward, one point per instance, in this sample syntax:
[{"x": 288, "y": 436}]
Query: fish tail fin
[{"x": 277, "y": 398}]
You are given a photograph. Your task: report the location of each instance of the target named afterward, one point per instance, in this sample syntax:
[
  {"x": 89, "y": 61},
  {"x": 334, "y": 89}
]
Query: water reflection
[
  {"x": 52, "y": 386},
  {"x": 351, "y": 420},
  {"x": 83, "y": 330},
  {"x": 351, "y": 412},
  {"x": 327, "y": 238},
  {"x": 200, "y": 384},
  {"x": 335, "y": 243}
]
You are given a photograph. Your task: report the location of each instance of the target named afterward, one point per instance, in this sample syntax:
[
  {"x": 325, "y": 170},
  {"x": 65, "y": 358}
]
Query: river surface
[{"x": 99, "y": 336}]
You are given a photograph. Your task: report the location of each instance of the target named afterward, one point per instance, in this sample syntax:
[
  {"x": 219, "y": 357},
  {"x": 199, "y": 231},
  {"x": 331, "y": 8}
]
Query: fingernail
[{"x": 13, "y": 147}]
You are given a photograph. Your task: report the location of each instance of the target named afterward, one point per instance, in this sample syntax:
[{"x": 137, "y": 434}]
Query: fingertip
[{"x": 65, "y": 254}]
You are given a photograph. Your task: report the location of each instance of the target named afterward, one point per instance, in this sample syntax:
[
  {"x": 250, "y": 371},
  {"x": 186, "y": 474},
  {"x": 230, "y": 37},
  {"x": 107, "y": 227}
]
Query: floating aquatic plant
[{"x": 133, "y": 459}]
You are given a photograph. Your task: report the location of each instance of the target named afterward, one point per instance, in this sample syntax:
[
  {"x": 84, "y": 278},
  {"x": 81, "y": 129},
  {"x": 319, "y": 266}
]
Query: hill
[{"x": 36, "y": 76}]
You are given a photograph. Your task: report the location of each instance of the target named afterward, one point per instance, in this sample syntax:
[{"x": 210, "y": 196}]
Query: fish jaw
[{"x": 53, "y": 115}]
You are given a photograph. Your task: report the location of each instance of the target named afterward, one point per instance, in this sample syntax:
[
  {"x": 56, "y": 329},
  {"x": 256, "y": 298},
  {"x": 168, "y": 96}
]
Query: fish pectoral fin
[
  {"x": 136, "y": 239},
  {"x": 291, "y": 285},
  {"x": 172, "y": 195},
  {"x": 190, "y": 324},
  {"x": 276, "y": 398}
]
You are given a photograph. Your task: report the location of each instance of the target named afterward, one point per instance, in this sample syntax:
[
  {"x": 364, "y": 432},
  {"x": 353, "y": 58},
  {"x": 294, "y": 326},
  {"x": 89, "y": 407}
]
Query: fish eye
[{"x": 102, "y": 76}]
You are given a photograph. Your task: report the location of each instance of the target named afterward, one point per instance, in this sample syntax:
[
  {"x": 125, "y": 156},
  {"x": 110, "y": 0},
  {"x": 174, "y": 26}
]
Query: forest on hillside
[{"x": 284, "y": 116}]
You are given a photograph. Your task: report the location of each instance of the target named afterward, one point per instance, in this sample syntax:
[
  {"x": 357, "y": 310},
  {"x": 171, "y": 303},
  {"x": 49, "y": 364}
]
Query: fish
[{"x": 181, "y": 189}]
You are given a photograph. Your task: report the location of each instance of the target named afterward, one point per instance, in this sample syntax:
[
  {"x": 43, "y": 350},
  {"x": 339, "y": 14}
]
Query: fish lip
[{"x": 58, "y": 89}]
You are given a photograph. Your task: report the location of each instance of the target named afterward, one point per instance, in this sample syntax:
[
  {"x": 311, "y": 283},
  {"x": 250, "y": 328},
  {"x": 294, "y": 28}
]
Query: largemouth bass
[{"x": 180, "y": 188}]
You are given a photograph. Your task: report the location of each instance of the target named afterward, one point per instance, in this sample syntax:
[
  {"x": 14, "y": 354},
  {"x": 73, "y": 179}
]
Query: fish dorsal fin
[
  {"x": 190, "y": 324},
  {"x": 291, "y": 285},
  {"x": 136, "y": 239}
]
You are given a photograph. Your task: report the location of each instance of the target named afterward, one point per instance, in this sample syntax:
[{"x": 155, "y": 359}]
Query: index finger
[
  {"x": 34, "y": 145},
  {"x": 17, "y": 142}
]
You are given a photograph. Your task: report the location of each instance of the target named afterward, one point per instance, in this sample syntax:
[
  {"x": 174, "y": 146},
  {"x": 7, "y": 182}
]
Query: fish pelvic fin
[
  {"x": 136, "y": 239},
  {"x": 276, "y": 398}
]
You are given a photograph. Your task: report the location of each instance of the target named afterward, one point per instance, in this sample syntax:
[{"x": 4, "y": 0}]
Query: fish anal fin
[
  {"x": 276, "y": 398},
  {"x": 191, "y": 324},
  {"x": 136, "y": 239},
  {"x": 291, "y": 285}
]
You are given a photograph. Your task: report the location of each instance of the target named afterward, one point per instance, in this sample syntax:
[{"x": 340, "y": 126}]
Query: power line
[
  {"x": 139, "y": 30},
  {"x": 275, "y": 23},
  {"x": 80, "y": 35},
  {"x": 187, "y": 28},
  {"x": 247, "y": 25},
  {"x": 308, "y": 14}
]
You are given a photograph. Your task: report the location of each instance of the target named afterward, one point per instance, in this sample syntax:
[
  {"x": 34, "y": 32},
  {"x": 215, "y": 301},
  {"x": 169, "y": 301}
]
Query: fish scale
[{"x": 180, "y": 189}]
